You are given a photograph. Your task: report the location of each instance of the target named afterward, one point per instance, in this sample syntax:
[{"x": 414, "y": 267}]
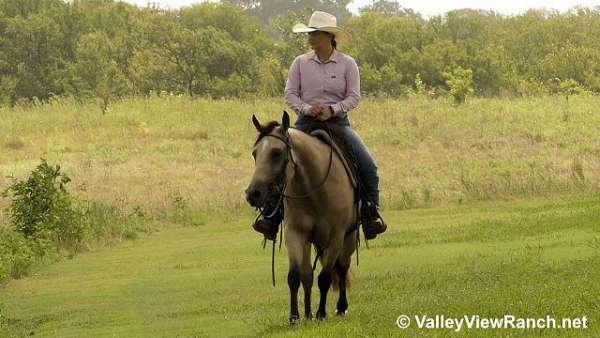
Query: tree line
[{"x": 239, "y": 48}]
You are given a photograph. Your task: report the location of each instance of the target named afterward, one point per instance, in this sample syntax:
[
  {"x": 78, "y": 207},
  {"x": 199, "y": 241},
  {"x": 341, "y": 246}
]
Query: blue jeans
[{"x": 367, "y": 169}]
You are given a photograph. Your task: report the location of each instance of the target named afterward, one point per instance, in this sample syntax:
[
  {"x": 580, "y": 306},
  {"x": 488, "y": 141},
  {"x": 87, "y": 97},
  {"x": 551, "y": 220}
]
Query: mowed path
[{"x": 524, "y": 258}]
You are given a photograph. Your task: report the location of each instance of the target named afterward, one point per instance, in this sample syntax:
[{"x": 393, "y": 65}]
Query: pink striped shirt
[{"x": 334, "y": 83}]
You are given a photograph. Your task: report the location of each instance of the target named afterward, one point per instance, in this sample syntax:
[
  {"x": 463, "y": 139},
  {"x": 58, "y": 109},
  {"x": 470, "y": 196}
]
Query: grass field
[
  {"x": 525, "y": 258},
  {"x": 494, "y": 209},
  {"x": 160, "y": 153}
]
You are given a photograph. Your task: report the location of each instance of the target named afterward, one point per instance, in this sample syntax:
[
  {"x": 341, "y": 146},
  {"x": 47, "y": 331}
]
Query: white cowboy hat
[{"x": 322, "y": 21}]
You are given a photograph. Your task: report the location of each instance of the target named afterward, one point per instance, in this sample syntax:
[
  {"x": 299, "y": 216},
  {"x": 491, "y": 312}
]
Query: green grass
[
  {"x": 507, "y": 222},
  {"x": 528, "y": 258}
]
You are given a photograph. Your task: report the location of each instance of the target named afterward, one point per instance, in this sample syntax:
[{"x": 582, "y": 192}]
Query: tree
[
  {"x": 96, "y": 72},
  {"x": 203, "y": 55},
  {"x": 388, "y": 8},
  {"x": 266, "y": 10},
  {"x": 31, "y": 54},
  {"x": 25, "y": 8}
]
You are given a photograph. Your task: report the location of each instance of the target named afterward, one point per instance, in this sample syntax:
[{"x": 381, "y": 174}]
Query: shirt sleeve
[
  {"x": 352, "y": 91},
  {"x": 292, "y": 90}
]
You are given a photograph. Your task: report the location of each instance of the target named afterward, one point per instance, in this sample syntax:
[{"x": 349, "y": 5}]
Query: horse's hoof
[
  {"x": 321, "y": 316},
  {"x": 341, "y": 313},
  {"x": 294, "y": 320}
]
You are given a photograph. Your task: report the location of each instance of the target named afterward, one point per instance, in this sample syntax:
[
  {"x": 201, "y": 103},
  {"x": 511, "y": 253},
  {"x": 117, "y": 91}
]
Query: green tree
[
  {"x": 204, "y": 55},
  {"x": 387, "y": 7},
  {"x": 96, "y": 72},
  {"x": 289, "y": 44},
  {"x": 266, "y": 10},
  {"x": 25, "y": 8},
  {"x": 32, "y": 55}
]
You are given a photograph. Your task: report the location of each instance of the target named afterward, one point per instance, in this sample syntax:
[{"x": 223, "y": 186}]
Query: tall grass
[{"x": 158, "y": 155}]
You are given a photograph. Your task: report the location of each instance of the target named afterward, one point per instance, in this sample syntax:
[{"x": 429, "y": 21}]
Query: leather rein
[{"x": 288, "y": 143}]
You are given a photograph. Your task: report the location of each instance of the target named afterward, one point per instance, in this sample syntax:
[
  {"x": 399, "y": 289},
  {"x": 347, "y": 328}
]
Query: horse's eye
[{"x": 276, "y": 154}]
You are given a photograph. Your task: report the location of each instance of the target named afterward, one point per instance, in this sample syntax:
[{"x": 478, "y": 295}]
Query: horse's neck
[{"x": 312, "y": 157}]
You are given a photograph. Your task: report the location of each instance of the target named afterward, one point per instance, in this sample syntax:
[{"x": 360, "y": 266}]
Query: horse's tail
[
  {"x": 335, "y": 279},
  {"x": 336, "y": 273}
]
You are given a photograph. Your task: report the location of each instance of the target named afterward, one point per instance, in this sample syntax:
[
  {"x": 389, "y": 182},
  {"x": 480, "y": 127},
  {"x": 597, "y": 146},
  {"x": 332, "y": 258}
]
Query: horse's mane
[{"x": 266, "y": 129}]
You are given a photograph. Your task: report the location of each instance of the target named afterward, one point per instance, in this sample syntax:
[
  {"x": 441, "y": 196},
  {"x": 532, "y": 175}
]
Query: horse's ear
[
  {"x": 256, "y": 123},
  {"x": 285, "y": 120}
]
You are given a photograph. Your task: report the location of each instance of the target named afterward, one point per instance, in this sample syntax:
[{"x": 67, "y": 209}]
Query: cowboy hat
[{"x": 322, "y": 21}]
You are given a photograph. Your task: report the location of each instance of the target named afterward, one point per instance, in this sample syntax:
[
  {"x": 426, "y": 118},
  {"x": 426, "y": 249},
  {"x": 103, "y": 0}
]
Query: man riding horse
[{"x": 324, "y": 85}]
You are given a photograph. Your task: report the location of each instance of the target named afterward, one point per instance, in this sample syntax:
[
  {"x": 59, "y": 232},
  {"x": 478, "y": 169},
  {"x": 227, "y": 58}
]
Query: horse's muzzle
[{"x": 255, "y": 197}]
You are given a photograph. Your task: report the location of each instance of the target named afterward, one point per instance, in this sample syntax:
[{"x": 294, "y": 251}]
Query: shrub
[
  {"x": 16, "y": 256},
  {"x": 234, "y": 86},
  {"x": 41, "y": 207},
  {"x": 460, "y": 84}
]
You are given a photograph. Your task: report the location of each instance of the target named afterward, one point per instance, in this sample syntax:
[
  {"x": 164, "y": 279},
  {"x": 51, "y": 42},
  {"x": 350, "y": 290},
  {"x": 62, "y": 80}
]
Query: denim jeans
[{"x": 367, "y": 169}]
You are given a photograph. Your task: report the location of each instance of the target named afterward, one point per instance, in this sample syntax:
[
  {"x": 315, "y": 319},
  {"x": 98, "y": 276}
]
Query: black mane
[{"x": 266, "y": 129}]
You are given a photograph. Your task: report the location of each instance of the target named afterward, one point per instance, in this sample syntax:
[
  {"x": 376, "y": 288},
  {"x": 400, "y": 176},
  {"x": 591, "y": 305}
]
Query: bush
[
  {"x": 566, "y": 87},
  {"x": 234, "y": 86},
  {"x": 41, "y": 208},
  {"x": 272, "y": 77},
  {"x": 460, "y": 84},
  {"x": 383, "y": 81},
  {"x": 46, "y": 218},
  {"x": 16, "y": 255}
]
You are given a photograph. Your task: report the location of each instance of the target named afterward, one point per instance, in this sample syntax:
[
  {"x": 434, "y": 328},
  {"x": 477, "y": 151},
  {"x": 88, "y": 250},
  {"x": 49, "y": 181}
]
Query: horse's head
[{"x": 272, "y": 153}]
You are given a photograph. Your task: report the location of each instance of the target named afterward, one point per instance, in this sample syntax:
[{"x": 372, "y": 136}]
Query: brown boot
[
  {"x": 269, "y": 226},
  {"x": 373, "y": 223}
]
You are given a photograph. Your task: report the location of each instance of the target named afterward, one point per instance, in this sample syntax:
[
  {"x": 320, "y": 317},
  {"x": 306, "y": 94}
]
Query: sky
[{"x": 433, "y": 7}]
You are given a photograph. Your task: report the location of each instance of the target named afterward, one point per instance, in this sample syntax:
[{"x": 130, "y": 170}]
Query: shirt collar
[{"x": 334, "y": 56}]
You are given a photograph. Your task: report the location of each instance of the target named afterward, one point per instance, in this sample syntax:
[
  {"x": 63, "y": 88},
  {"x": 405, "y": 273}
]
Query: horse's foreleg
[
  {"x": 294, "y": 285},
  {"x": 295, "y": 245},
  {"x": 324, "y": 281},
  {"x": 306, "y": 275}
]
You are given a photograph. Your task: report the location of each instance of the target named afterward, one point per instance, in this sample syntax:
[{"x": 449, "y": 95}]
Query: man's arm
[
  {"x": 292, "y": 91},
  {"x": 352, "y": 91}
]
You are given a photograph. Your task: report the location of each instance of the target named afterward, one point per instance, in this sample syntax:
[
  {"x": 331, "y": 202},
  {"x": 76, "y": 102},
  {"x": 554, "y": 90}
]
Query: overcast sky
[{"x": 432, "y": 7}]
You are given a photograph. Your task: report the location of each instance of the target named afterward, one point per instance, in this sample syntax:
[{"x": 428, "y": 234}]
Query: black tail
[{"x": 336, "y": 277}]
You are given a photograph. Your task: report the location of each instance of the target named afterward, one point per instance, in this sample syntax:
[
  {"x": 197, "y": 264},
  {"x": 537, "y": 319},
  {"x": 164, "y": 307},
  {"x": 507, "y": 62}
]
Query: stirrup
[{"x": 373, "y": 223}]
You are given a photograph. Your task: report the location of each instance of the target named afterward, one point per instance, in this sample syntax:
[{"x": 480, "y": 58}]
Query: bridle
[{"x": 289, "y": 145}]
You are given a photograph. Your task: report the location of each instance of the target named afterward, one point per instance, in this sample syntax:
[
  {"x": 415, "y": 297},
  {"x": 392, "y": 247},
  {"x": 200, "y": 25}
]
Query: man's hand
[
  {"x": 316, "y": 110},
  {"x": 324, "y": 113}
]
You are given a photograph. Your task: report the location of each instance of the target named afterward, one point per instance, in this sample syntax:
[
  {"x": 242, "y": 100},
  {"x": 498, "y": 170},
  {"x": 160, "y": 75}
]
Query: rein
[{"x": 288, "y": 144}]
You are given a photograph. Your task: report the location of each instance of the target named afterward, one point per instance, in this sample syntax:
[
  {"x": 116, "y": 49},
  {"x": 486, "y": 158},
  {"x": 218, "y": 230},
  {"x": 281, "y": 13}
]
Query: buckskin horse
[{"x": 320, "y": 209}]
